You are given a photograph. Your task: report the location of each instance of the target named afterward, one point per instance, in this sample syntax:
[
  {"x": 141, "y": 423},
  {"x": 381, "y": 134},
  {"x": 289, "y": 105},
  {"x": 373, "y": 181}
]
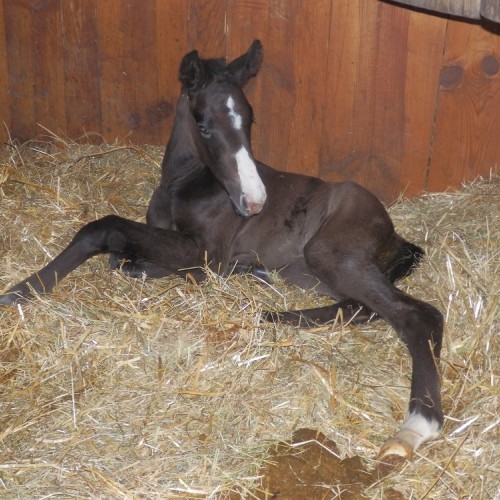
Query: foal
[{"x": 216, "y": 200}]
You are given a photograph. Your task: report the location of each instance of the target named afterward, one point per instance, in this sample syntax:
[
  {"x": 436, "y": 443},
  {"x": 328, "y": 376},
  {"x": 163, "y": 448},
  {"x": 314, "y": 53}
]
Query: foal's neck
[{"x": 182, "y": 161}]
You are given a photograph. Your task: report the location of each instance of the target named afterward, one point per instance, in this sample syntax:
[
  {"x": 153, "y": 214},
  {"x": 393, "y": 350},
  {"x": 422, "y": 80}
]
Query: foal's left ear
[
  {"x": 247, "y": 65},
  {"x": 192, "y": 71}
]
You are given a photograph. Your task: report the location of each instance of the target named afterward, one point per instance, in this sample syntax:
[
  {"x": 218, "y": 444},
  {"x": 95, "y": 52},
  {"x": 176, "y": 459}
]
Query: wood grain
[
  {"x": 5, "y": 114},
  {"x": 380, "y": 107},
  {"x": 342, "y": 87},
  {"x": 171, "y": 45},
  {"x": 18, "y": 36},
  {"x": 81, "y": 69},
  {"x": 206, "y": 26},
  {"x": 48, "y": 67},
  {"x": 363, "y": 130},
  {"x": 128, "y": 83},
  {"x": 426, "y": 36},
  {"x": 466, "y": 141},
  {"x": 393, "y": 98},
  {"x": 148, "y": 108},
  {"x": 311, "y": 29},
  {"x": 271, "y": 93}
]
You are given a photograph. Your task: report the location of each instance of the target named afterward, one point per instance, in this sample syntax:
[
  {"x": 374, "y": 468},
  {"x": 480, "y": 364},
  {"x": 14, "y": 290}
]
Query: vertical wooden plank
[
  {"x": 311, "y": 31},
  {"x": 406, "y": 103},
  {"x": 48, "y": 65},
  {"x": 115, "y": 85},
  {"x": 468, "y": 119},
  {"x": 379, "y": 112},
  {"x": 81, "y": 68},
  {"x": 289, "y": 92},
  {"x": 149, "y": 109},
  {"x": 364, "y": 117},
  {"x": 171, "y": 45},
  {"x": 388, "y": 78},
  {"x": 129, "y": 81},
  {"x": 206, "y": 27},
  {"x": 5, "y": 115},
  {"x": 350, "y": 107},
  {"x": 18, "y": 35},
  {"x": 426, "y": 39},
  {"x": 343, "y": 87},
  {"x": 271, "y": 93}
]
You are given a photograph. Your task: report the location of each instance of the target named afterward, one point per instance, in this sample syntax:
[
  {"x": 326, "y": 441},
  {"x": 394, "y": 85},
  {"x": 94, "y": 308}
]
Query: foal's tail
[{"x": 405, "y": 261}]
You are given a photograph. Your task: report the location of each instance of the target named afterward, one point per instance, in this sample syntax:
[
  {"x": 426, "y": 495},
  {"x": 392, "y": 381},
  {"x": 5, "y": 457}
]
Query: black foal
[{"x": 216, "y": 200}]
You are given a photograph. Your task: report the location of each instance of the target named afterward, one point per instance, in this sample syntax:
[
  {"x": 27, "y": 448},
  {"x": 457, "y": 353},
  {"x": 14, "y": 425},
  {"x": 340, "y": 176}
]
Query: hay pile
[{"x": 117, "y": 388}]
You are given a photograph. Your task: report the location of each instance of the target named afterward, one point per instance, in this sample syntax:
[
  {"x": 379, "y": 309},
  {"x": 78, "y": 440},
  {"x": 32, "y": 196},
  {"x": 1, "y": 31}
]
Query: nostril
[
  {"x": 254, "y": 208},
  {"x": 243, "y": 204},
  {"x": 248, "y": 208}
]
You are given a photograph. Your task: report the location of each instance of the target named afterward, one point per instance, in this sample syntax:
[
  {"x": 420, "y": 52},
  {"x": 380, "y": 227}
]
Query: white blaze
[
  {"x": 252, "y": 186},
  {"x": 235, "y": 117}
]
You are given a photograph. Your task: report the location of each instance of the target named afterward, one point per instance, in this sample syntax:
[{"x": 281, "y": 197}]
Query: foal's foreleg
[
  {"x": 158, "y": 215},
  {"x": 135, "y": 268},
  {"x": 170, "y": 249}
]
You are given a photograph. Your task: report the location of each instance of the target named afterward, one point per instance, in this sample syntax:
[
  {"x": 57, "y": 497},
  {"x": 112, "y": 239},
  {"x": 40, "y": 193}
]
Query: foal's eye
[{"x": 204, "y": 131}]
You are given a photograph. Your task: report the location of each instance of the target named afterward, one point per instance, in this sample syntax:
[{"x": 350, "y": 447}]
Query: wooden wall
[{"x": 396, "y": 99}]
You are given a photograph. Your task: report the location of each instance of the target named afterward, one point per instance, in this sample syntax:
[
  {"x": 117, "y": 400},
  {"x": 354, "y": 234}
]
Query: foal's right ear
[
  {"x": 192, "y": 71},
  {"x": 247, "y": 65}
]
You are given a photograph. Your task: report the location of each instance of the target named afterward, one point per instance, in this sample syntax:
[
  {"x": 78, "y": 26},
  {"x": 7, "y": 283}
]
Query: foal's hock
[{"x": 214, "y": 199}]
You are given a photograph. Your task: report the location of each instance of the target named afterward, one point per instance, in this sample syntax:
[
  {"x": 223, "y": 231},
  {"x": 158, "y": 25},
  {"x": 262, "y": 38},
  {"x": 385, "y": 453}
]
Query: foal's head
[{"x": 222, "y": 118}]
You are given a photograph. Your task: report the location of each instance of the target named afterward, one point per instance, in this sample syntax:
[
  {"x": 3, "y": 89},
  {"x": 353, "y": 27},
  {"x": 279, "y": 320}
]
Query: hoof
[
  {"x": 15, "y": 295},
  {"x": 9, "y": 299},
  {"x": 272, "y": 317},
  {"x": 288, "y": 318},
  {"x": 393, "y": 454},
  {"x": 395, "y": 447},
  {"x": 416, "y": 430},
  {"x": 261, "y": 272}
]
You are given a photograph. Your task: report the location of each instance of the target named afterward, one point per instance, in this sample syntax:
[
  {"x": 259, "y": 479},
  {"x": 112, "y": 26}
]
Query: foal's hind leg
[
  {"x": 340, "y": 257},
  {"x": 170, "y": 250},
  {"x": 346, "y": 310}
]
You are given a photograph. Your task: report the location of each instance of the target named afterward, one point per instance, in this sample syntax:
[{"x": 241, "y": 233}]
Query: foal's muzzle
[{"x": 249, "y": 208}]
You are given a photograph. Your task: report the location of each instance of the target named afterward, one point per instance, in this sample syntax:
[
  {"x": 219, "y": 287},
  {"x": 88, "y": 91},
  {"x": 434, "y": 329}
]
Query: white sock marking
[
  {"x": 252, "y": 186},
  {"x": 235, "y": 117},
  {"x": 417, "y": 429}
]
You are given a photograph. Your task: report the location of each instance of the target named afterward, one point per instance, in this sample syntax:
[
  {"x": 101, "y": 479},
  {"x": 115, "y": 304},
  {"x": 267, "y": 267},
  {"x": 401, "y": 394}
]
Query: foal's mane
[{"x": 214, "y": 67}]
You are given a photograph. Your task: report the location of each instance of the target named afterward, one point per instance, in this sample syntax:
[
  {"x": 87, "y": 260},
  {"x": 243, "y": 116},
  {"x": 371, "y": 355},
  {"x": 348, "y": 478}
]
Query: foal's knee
[{"x": 100, "y": 236}]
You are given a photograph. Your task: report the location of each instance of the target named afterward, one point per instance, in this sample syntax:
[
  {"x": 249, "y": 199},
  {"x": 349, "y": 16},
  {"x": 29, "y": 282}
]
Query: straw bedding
[{"x": 119, "y": 388}]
